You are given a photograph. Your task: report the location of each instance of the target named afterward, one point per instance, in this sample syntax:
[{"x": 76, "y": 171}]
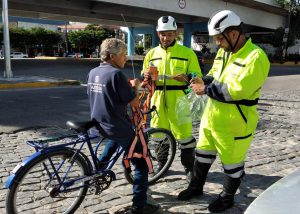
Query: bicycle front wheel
[
  {"x": 162, "y": 148},
  {"x": 37, "y": 188}
]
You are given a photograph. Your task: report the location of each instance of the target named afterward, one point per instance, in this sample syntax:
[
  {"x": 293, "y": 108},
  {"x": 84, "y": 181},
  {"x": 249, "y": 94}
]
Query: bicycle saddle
[{"x": 81, "y": 126}]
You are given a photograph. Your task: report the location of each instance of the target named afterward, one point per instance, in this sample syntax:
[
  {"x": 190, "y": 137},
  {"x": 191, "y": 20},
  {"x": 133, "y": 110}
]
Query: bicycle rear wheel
[
  {"x": 35, "y": 189},
  {"x": 162, "y": 149}
]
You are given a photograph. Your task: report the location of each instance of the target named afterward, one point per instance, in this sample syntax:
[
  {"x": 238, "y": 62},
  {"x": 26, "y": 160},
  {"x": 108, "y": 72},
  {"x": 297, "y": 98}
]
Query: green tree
[
  {"x": 293, "y": 25},
  {"x": 294, "y": 18},
  {"x": 21, "y": 39},
  {"x": 45, "y": 38},
  {"x": 88, "y": 39},
  {"x": 294, "y": 3},
  {"x": 79, "y": 39},
  {"x": 24, "y": 39},
  {"x": 92, "y": 27}
]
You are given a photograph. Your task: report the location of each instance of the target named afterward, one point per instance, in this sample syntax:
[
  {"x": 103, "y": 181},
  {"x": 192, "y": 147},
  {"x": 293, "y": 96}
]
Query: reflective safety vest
[
  {"x": 236, "y": 84},
  {"x": 175, "y": 60}
]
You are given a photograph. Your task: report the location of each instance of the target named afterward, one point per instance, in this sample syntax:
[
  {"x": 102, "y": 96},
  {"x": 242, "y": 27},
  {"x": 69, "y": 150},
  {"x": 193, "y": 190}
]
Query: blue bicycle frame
[{"x": 42, "y": 147}]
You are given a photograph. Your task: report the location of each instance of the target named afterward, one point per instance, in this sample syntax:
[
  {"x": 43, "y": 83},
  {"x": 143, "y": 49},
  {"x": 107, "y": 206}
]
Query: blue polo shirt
[{"x": 109, "y": 93}]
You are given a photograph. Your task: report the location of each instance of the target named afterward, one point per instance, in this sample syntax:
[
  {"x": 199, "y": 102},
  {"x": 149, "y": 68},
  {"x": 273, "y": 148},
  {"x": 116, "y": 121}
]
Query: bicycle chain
[{"x": 102, "y": 182}]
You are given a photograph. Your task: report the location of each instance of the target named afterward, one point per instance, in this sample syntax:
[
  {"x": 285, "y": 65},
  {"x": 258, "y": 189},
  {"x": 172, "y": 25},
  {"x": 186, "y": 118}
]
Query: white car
[
  {"x": 281, "y": 197},
  {"x": 18, "y": 55}
]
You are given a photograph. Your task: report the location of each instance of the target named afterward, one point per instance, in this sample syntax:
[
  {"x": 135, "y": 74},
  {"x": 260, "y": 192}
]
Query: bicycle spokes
[{"x": 42, "y": 185}]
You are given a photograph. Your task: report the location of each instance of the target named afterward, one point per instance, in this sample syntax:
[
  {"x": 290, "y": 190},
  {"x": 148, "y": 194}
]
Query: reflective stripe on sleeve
[{"x": 222, "y": 89}]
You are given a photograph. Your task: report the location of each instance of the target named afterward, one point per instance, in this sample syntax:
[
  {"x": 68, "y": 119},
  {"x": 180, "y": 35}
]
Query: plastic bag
[{"x": 190, "y": 108}]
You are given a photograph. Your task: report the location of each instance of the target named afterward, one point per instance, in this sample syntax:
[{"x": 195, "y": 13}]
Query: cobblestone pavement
[{"x": 274, "y": 153}]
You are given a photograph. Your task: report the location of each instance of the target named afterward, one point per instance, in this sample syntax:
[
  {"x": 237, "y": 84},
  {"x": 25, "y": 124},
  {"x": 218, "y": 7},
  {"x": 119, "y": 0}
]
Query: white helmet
[
  {"x": 222, "y": 20},
  {"x": 166, "y": 23}
]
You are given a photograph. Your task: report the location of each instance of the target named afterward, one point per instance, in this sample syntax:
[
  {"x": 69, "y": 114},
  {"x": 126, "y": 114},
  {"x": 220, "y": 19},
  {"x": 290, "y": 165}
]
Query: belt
[{"x": 171, "y": 87}]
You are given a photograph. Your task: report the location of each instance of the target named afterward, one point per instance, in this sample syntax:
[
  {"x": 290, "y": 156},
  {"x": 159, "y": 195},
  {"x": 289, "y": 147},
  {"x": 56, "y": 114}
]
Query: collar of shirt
[{"x": 170, "y": 46}]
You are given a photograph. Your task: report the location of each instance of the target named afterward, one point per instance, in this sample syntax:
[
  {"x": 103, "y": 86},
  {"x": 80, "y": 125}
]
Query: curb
[
  {"x": 285, "y": 64},
  {"x": 39, "y": 84}
]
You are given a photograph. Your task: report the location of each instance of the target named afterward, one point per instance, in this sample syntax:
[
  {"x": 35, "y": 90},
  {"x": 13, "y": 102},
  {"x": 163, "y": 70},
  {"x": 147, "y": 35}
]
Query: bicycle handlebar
[{"x": 152, "y": 109}]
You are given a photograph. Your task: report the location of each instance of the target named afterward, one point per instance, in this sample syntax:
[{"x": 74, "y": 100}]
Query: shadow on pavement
[{"x": 252, "y": 185}]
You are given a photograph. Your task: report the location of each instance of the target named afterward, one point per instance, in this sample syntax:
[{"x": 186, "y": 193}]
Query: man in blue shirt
[{"x": 109, "y": 94}]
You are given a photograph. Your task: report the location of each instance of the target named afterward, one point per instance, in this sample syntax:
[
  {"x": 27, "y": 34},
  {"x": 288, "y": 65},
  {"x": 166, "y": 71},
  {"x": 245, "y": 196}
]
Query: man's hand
[
  {"x": 196, "y": 80},
  {"x": 197, "y": 85},
  {"x": 180, "y": 78},
  {"x": 134, "y": 83},
  {"x": 147, "y": 74},
  {"x": 135, "y": 102}
]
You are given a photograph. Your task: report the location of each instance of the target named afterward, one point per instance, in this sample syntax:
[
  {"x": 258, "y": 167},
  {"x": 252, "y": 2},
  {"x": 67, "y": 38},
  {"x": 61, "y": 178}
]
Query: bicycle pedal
[{"x": 98, "y": 190}]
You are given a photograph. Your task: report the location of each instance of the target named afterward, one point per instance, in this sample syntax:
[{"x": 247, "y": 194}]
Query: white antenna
[{"x": 133, "y": 43}]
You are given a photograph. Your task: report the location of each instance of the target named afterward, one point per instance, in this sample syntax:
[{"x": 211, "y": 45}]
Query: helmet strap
[
  {"x": 236, "y": 42},
  {"x": 232, "y": 47},
  {"x": 223, "y": 34}
]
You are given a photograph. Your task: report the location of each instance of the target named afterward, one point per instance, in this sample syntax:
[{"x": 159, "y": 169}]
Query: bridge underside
[
  {"x": 141, "y": 15},
  {"x": 92, "y": 12},
  {"x": 112, "y": 13}
]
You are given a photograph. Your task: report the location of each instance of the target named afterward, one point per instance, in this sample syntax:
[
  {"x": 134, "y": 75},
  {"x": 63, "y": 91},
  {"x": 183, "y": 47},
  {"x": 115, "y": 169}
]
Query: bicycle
[{"x": 58, "y": 177}]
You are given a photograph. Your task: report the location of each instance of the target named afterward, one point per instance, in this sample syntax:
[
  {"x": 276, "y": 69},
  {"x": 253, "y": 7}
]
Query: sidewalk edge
[{"x": 38, "y": 84}]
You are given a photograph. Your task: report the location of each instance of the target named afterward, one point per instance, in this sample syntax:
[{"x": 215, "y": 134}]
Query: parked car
[
  {"x": 281, "y": 197},
  {"x": 18, "y": 55},
  {"x": 75, "y": 55},
  {"x": 200, "y": 59},
  {"x": 95, "y": 55}
]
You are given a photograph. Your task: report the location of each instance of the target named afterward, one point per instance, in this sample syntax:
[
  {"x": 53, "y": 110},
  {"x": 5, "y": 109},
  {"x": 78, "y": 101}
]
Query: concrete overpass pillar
[
  {"x": 187, "y": 34},
  {"x": 130, "y": 44}
]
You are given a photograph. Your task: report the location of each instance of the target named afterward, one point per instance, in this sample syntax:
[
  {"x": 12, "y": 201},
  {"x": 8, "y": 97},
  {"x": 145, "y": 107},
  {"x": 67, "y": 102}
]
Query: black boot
[
  {"x": 195, "y": 188},
  {"x": 187, "y": 160},
  {"x": 147, "y": 209},
  {"x": 226, "y": 198},
  {"x": 223, "y": 203}
]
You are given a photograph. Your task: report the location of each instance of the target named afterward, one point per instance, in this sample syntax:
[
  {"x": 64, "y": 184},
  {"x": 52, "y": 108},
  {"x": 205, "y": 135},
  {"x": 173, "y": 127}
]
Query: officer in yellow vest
[
  {"x": 233, "y": 87},
  {"x": 175, "y": 64}
]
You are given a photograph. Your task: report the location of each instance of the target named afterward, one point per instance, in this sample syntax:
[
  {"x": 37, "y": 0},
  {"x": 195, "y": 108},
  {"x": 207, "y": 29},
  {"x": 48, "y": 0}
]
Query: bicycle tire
[
  {"x": 156, "y": 138},
  {"x": 30, "y": 190}
]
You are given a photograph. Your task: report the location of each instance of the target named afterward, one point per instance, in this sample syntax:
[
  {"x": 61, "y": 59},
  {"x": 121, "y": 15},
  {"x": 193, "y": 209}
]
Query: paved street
[
  {"x": 23, "y": 109},
  {"x": 274, "y": 153}
]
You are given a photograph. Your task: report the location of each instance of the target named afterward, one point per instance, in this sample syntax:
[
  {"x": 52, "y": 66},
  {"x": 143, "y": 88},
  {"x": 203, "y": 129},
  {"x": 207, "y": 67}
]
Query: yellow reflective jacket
[
  {"x": 233, "y": 86},
  {"x": 175, "y": 60}
]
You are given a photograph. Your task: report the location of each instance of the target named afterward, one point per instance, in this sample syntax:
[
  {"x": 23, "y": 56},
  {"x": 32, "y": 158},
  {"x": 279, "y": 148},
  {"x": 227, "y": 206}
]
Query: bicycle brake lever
[{"x": 155, "y": 109}]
